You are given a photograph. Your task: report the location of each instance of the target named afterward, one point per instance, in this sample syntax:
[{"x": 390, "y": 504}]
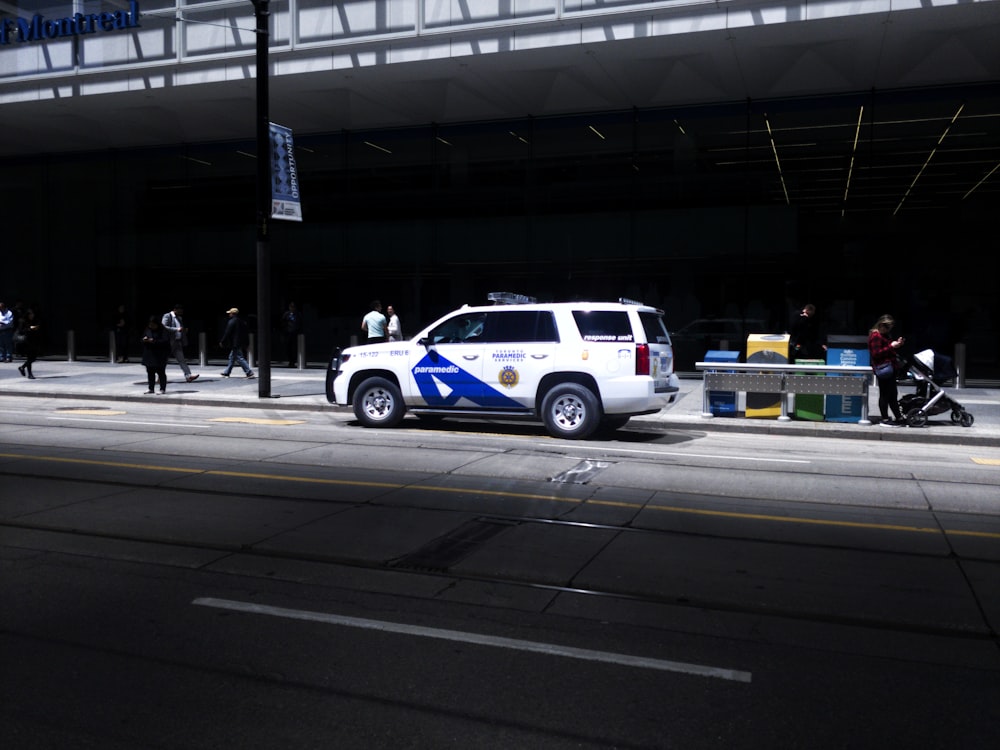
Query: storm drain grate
[
  {"x": 582, "y": 473},
  {"x": 454, "y": 546}
]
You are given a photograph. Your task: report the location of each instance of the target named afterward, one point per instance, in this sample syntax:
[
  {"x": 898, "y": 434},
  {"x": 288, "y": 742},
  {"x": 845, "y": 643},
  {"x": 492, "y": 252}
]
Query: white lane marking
[
  {"x": 714, "y": 456},
  {"x": 479, "y": 640},
  {"x": 130, "y": 422}
]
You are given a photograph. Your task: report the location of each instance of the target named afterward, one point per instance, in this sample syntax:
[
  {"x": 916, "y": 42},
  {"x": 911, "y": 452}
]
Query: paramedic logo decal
[
  {"x": 442, "y": 383},
  {"x": 508, "y": 377}
]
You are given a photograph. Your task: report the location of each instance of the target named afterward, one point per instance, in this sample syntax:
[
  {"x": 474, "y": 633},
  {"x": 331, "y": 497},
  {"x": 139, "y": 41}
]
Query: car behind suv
[
  {"x": 576, "y": 366},
  {"x": 706, "y": 334}
]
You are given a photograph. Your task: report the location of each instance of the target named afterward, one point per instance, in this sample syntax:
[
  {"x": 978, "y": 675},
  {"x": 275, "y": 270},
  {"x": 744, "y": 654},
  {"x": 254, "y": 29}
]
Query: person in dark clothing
[
  {"x": 805, "y": 340},
  {"x": 884, "y": 362},
  {"x": 30, "y": 328},
  {"x": 120, "y": 328},
  {"x": 291, "y": 327},
  {"x": 236, "y": 338},
  {"x": 155, "y": 352}
]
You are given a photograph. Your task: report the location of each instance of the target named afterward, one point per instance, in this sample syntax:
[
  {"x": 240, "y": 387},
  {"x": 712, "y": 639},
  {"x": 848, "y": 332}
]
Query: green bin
[{"x": 809, "y": 405}]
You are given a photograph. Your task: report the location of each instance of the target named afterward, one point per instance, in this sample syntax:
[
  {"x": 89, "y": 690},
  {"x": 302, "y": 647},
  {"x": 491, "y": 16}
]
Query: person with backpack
[{"x": 236, "y": 338}]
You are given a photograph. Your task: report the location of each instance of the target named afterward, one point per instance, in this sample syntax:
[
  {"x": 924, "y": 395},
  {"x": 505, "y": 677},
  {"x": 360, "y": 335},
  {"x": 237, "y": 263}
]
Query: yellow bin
[{"x": 767, "y": 349}]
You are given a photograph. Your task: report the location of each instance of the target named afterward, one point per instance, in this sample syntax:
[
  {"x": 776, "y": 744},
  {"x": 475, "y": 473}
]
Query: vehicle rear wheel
[
  {"x": 378, "y": 403},
  {"x": 571, "y": 411},
  {"x": 915, "y": 418}
]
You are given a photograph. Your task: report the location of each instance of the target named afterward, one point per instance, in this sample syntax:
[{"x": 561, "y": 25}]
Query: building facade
[{"x": 716, "y": 159}]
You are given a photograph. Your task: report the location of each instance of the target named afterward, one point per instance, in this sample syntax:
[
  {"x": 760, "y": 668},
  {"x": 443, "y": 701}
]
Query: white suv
[{"x": 576, "y": 366}]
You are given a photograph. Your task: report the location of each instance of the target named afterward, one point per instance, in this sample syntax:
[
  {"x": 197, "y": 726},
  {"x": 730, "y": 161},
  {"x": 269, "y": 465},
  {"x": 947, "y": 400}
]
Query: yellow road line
[
  {"x": 520, "y": 495},
  {"x": 986, "y": 461}
]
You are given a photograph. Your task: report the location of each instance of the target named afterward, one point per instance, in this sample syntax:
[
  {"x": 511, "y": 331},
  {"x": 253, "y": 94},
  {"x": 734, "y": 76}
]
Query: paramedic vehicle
[{"x": 575, "y": 366}]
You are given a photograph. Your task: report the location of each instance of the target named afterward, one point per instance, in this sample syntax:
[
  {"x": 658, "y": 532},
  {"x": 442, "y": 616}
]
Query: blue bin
[
  {"x": 847, "y": 351},
  {"x": 722, "y": 402}
]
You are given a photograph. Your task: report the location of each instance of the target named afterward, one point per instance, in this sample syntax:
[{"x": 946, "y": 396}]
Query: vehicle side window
[
  {"x": 520, "y": 326},
  {"x": 656, "y": 332},
  {"x": 603, "y": 325},
  {"x": 459, "y": 329}
]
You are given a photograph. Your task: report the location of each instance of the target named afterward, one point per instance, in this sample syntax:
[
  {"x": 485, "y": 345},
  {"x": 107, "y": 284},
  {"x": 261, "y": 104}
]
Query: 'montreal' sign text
[{"x": 40, "y": 29}]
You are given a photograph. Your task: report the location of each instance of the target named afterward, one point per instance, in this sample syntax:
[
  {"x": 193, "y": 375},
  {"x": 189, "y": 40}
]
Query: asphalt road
[{"x": 180, "y": 576}]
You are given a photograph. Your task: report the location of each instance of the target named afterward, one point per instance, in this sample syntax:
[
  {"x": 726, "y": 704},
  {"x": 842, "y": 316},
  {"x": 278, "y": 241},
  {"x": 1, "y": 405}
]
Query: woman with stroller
[{"x": 884, "y": 362}]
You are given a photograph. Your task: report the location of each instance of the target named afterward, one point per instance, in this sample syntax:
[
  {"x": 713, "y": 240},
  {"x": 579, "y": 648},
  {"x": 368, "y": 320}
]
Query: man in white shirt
[
  {"x": 373, "y": 324},
  {"x": 174, "y": 324},
  {"x": 6, "y": 334}
]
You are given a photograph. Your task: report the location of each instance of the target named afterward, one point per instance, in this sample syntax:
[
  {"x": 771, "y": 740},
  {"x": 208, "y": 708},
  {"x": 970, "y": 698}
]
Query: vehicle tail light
[{"x": 642, "y": 359}]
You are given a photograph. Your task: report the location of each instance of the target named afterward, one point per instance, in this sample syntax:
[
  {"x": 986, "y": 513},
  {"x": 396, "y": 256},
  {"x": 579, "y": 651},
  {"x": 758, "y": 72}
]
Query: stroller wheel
[
  {"x": 956, "y": 416},
  {"x": 967, "y": 419},
  {"x": 916, "y": 418}
]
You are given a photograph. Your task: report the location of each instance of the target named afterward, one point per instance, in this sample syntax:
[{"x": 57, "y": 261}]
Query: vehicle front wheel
[
  {"x": 378, "y": 403},
  {"x": 571, "y": 411}
]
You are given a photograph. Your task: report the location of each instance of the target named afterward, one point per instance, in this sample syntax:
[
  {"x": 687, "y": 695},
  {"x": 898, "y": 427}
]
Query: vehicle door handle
[
  {"x": 470, "y": 357},
  {"x": 539, "y": 356}
]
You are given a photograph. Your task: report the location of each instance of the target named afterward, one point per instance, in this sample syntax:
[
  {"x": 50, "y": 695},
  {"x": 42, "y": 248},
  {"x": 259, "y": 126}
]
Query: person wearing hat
[
  {"x": 177, "y": 332},
  {"x": 236, "y": 338}
]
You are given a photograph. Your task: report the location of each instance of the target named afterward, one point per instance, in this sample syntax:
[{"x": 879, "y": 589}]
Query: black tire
[
  {"x": 916, "y": 419},
  {"x": 956, "y": 416},
  {"x": 378, "y": 403},
  {"x": 571, "y": 411},
  {"x": 967, "y": 419}
]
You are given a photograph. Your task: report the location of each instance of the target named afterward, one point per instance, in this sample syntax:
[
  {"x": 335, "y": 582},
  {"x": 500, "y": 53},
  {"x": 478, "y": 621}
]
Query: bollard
[
  {"x": 960, "y": 365},
  {"x": 70, "y": 346},
  {"x": 300, "y": 351},
  {"x": 112, "y": 348},
  {"x": 202, "y": 349}
]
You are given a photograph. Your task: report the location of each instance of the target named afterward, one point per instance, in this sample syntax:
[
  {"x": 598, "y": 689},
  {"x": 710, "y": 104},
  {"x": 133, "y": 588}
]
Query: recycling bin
[
  {"x": 850, "y": 351},
  {"x": 722, "y": 402},
  {"x": 810, "y": 406},
  {"x": 766, "y": 349}
]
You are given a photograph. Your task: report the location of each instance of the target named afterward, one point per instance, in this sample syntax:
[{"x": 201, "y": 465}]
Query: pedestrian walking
[
  {"x": 155, "y": 352},
  {"x": 236, "y": 338},
  {"x": 29, "y": 336},
  {"x": 177, "y": 332},
  {"x": 373, "y": 324},
  {"x": 6, "y": 333}
]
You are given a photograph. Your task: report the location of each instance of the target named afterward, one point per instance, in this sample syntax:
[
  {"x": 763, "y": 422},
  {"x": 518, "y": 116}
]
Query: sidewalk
[{"x": 293, "y": 389}]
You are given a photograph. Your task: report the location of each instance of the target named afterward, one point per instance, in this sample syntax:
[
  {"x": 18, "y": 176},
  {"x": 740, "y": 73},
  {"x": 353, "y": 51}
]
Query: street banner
[{"x": 285, "y": 202}]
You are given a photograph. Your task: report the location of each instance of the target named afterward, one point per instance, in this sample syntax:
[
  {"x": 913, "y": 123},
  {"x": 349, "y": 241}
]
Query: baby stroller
[{"x": 931, "y": 371}]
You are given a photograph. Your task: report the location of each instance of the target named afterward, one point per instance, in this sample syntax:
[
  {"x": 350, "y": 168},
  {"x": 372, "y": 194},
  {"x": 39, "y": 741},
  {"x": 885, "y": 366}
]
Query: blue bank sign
[{"x": 38, "y": 28}]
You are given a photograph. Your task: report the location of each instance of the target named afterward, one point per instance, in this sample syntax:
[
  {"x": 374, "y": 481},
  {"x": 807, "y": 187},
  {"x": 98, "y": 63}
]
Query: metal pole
[{"x": 262, "y": 14}]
